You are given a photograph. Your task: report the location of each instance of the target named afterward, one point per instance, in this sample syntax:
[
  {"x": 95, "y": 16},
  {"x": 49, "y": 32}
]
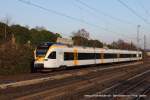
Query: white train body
[{"x": 51, "y": 55}]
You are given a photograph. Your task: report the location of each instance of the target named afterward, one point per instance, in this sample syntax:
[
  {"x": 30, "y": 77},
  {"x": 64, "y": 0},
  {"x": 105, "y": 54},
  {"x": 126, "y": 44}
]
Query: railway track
[
  {"x": 38, "y": 78},
  {"x": 75, "y": 86},
  {"x": 144, "y": 91},
  {"x": 134, "y": 88},
  {"x": 30, "y": 76}
]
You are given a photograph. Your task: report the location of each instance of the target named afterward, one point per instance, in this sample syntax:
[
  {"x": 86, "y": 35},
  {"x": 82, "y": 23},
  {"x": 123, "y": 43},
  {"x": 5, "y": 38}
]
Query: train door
[
  {"x": 60, "y": 58},
  {"x": 51, "y": 61}
]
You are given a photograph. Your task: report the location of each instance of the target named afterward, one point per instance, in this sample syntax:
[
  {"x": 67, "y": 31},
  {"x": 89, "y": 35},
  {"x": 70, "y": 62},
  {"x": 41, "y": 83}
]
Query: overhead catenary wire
[
  {"x": 103, "y": 13},
  {"x": 97, "y": 12},
  {"x": 133, "y": 11},
  {"x": 145, "y": 10},
  {"x": 86, "y": 10},
  {"x": 71, "y": 17},
  {"x": 52, "y": 11},
  {"x": 80, "y": 6},
  {"x": 57, "y": 13}
]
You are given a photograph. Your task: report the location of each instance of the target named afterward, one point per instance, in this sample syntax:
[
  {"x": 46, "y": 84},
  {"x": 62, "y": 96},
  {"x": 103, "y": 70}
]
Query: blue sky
[{"x": 24, "y": 14}]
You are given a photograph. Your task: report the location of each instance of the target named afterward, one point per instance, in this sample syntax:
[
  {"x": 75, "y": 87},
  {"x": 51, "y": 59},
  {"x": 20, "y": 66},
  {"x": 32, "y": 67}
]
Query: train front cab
[
  {"x": 48, "y": 57},
  {"x": 44, "y": 57}
]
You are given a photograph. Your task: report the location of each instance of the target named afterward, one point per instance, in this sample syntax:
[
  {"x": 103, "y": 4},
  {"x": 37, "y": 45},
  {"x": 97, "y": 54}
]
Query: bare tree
[
  {"x": 81, "y": 38},
  {"x": 121, "y": 44},
  {"x": 82, "y": 33},
  {"x": 6, "y": 20}
]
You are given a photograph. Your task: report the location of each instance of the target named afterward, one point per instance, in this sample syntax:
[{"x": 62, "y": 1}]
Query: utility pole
[
  {"x": 6, "y": 21},
  {"x": 144, "y": 43},
  {"x": 144, "y": 46},
  {"x": 131, "y": 45},
  {"x": 138, "y": 30}
]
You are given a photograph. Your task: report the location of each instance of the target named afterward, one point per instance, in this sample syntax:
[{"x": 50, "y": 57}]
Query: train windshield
[{"x": 41, "y": 50}]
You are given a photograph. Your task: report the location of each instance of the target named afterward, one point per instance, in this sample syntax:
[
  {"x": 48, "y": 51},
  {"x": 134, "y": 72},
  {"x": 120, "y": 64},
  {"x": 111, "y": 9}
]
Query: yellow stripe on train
[
  {"x": 40, "y": 59},
  {"x": 101, "y": 56},
  {"x": 75, "y": 57}
]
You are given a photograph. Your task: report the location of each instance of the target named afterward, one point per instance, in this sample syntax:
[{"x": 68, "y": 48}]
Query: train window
[
  {"x": 86, "y": 56},
  {"x": 41, "y": 50},
  {"x": 52, "y": 55},
  {"x": 122, "y": 56},
  {"x": 109, "y": 55},
  {"x": 98, "y": 56},
  {"x": 68, "y": 56},
  {"x": 126, "y": 55},
  {"x": 133, "y": 55}
]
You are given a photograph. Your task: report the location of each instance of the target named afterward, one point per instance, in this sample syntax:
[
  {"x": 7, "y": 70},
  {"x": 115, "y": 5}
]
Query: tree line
[
  {"x": 23, "y": 34},
  {"x": 37, "y": 35},
  {"x": 82, "y": 38}
]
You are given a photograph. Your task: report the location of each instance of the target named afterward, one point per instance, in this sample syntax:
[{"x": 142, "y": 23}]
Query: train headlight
[{"x": 45, "y": 59}]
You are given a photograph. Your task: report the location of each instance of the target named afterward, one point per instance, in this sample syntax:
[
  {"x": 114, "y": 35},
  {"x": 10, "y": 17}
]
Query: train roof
[
  {"x": 50, "y": 44},
  {"x": 101, "y": 48},
  {"x": 80, "y": 47}
]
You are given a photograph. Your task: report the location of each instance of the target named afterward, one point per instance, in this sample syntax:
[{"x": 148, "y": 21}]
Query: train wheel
[{"x": 62, "y": 67}]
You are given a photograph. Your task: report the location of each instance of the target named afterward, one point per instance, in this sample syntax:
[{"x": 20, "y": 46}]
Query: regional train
[{"x": 55, "y": 55}]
